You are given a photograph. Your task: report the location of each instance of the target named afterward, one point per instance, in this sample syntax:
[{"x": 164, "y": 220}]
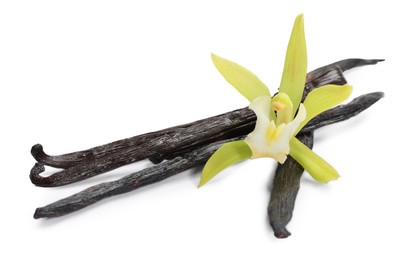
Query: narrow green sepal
[
  {"x": 316, "y": 166},
  {"x": 322, "y": 99},
  {"x": 295, "y": 66},
  {"x": 228, "y": 154},
  {"x": 247, "y": 83}
]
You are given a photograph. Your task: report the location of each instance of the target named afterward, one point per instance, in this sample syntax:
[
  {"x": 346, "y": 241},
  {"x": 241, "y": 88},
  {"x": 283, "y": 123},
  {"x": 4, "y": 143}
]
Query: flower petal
[
  {"x": 322, "y": 99},
  {"x": 256, "y": 140},
  {"x": 295, "y": 66},
  {"x": 225, "y": 156},
  {"x": 298, "y": 120},
  {"x": 318, "y": 168},
  {"x": 247, "y": 83},
  {"x": 262, "y": 108}
]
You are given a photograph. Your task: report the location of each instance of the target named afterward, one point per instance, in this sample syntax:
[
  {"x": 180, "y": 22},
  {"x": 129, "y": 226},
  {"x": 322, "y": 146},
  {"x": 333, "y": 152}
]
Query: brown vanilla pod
[
  {"x": 285, "y": 186},
  {"x": 175, "y": 140}
]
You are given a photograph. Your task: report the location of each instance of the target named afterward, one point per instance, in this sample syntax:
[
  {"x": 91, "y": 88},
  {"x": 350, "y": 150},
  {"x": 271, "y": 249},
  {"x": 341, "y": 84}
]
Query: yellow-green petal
[
  {"x": 247, "y": 83},
  {"x": 317, "y": 167},
  {"x": 228, "y": 154},
  {"x": 294, "y": 73},
  {"x": 324, "y": 98}
]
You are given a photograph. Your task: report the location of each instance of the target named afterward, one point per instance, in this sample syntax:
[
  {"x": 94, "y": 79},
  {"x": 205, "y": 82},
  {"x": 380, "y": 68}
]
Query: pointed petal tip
[
  {"x": 333, "y": 178},
  {"x": 243, "y": 80},
  {"x": 216, "y": 58},
  {"x": 300, "y": 16},
  {"x": 316, "y": 166},
  {"x": 213, "y": 57},
  {"x": 201, "y": 183},
  {"x": 228, "y": 154},
  {"x": 300, "y": 19}
]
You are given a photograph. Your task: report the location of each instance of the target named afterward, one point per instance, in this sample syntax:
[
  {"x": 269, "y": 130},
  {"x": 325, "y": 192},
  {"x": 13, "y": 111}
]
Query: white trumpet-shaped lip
[{"x": 269, "y": 139}]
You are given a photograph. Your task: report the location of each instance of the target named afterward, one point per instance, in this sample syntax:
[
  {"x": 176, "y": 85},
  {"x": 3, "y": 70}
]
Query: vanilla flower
[{"x": 281, "y": 117}]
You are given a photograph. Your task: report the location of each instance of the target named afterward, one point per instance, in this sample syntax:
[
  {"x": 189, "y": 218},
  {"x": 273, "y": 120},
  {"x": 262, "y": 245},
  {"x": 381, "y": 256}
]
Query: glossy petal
[
  {"x": 318, "y": 168},
  {"x": 225, "y": 156},
  {"x": 295, "y": 66},
  {"x": 324, "y": 98},
  {"x": 247, "y": 83}
]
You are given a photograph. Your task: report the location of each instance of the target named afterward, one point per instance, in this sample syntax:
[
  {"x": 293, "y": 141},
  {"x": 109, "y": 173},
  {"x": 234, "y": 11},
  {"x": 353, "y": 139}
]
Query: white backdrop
[{"x": 76, "y": 74}]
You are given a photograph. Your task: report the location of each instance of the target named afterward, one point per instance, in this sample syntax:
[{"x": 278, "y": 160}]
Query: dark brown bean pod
[
  {"x": 71, "y": 159},
  {"x": 284, "y": 191},
  {"x": 345, "y": 65},
  {"x": 194, "y": 135},
  {"x": 330, "y": 74},
  {"x": 342, "y": 65},
  {"x": 343, "y": 112},
  {"x": 175, "y": 140},
  {"x": 224, "y": 125},
  {"x": 130, "y": 182},
  {"x": 104, "y": 158},
  {"x": 287, "y": 176}
]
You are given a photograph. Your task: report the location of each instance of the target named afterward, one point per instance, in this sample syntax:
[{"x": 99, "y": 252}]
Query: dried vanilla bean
[
  {"x": 330, "y": 74},
  {"x": 342, "y": 65},
  {"x": 331, "y": 116},
  {"x": 343, "y": 112},
  {"x": 179, "y": 148},
  {"x": 285, "y": 186},
  {"x": 194, "y": 135},
  {"x": 285, "y": 189},
  {"x": 345, "y": 65},
  {"x": 159, "y": 144},
  {"x": 223, "y": 124},
  {"x": 287, "y": 177},
  {"x": 130, "y": 182},
  {"x": 70, "y": 159},
  {"x": 175, "y": 140}
]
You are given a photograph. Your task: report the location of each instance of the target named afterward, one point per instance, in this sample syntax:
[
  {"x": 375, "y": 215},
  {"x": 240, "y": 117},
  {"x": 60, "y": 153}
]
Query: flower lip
[{"x": 269, "y": 138}]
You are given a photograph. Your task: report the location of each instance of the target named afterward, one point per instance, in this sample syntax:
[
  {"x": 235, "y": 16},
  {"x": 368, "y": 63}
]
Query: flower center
[
  {"x": 271, "y": 136},
  {"x": 281, "y": 103}
]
